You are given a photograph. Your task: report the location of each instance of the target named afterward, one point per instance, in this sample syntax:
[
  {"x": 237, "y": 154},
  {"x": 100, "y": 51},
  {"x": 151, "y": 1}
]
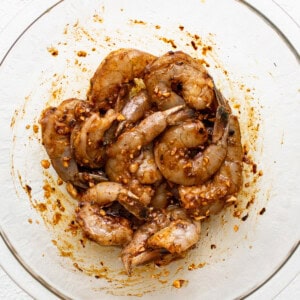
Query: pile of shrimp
[{"x": 151, "y": 152}]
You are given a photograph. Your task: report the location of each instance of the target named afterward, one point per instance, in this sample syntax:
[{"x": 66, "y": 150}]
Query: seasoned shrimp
[
  {"x": 119, "y": 67},
  {"x": 210, "y": 197},
  {"x": 147, "y": 171},
  {"x": 152, "y": 151},
  {"x": 162, "y": 196},
  {"x": 57, "y": 124},
  {"x": 171, "y": 152},
  {"x": 176, "y": 238},
  {"x": 136, "y": 252},
  {"x": 87, "y": 139},
  {"x": 102, "y": 228},
  {"x": 105, "y": 193},
  {"x": 133, "y": 110},
  {"x": 121, "y": 154},
  {"x": 176, "y": 78},
  {"x": 170, "y": 231}
]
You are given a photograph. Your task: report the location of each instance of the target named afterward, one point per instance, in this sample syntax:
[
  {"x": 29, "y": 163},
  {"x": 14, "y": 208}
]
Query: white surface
[
  {"x": 9, "y": 290},
  {"x": 284, "y": 285}
]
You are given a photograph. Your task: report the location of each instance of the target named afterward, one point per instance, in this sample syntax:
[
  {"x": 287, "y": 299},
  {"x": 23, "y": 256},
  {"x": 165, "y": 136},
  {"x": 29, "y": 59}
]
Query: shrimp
[
  {"x": 147, "y": 171},
  {"x": 162, "y": 196},
  {"x": 134, "y": 110},
  {"x": 136, "y": 252},
  {"x": 176, "y": 238},
  {"x": 87, "y": 139},
  {"x": 118, "y": 68},
  {"x": 105, "y": 193},
  {"x": 172, "y": 157},
  {"x": 175, "y": 79},
  {"x": 211, "y": 197},
  {"x": 169, "y": 232},
  {"x": 102, "y": 228},
  {"x": 57, "y": 124},
  {"x": 121, "y": 154}
]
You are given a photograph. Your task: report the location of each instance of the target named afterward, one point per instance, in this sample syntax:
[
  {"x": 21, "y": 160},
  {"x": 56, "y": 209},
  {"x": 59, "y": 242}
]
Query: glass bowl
[{"x": 253, "y": 65}]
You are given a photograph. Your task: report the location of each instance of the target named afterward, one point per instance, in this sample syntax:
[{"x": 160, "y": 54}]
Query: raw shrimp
[
  {"x": 147, "y": 171},
  {"x": 105, "y": 193},
  {"x": 133, "y": 110},
  {"x": 169, "y": 231},
  {"x": 210, "y": 197},
  {"x": 57, "y": 124},
  {"x": 120, "y": 166},
  {"x": 102, "y": 228},
  {"x": 153, "y": 150},
  {"x": 176, "y": 238},
  {"x": 171, "y": 152},
  {"x": 162, "y": 196},
  {"x": 118, "y": 68},
  {"x": 136, "y": 252},
  {"x": 176, "y": 78},
  {"x": 87, "y": 139}
]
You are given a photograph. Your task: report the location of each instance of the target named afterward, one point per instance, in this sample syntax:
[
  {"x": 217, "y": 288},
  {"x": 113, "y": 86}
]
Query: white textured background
[{"x": 9, "y": 290}]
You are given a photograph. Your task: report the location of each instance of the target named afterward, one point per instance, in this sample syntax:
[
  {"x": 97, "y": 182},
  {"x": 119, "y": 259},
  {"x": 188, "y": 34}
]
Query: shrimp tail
[
  {"x": 221, "y": 100},
  {"x": 173, "y": 110},
  {"x": 130, "y": 262},
  {"x": 223, "y": 114},
  {"x": 221, "y": 124}
]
